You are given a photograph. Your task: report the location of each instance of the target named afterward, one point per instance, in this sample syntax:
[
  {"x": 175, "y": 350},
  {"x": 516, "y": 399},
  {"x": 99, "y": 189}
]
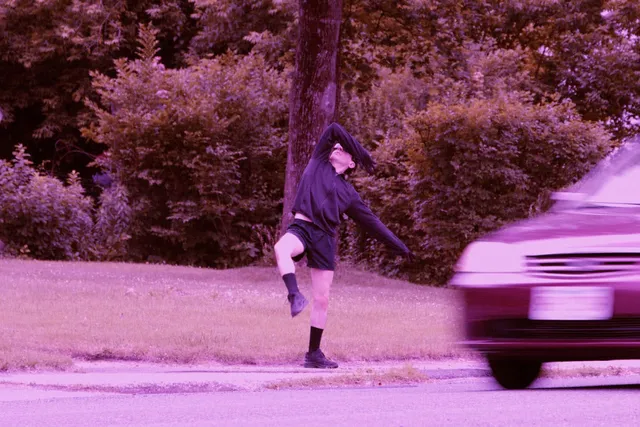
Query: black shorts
[{"x": 319, "y": 246}]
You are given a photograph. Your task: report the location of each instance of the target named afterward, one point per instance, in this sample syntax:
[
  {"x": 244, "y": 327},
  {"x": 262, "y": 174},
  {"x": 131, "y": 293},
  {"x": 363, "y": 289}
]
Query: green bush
[
  {"x": 40, "y": 217},
  {"x": 113, "y": 220},
  {"x": 479, "y": 164},
  {"x": 201, "y": 152}
]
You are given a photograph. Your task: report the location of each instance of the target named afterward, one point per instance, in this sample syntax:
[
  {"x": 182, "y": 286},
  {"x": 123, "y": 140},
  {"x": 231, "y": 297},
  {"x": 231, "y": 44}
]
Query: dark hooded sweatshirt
[{"x": 324, "y": 195}]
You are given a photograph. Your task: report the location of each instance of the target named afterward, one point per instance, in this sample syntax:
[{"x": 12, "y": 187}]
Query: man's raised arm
[{"x": 335, "y": 134}]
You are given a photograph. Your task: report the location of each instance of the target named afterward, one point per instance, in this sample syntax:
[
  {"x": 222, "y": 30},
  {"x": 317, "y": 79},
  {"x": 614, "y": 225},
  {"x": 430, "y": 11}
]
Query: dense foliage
[
  {"x": 41, "y": 217},
  {"x": 174, "y": 114},
  {"x": 199, "y": 151},
  {"x": 473, "y": 156},
  {"x": 480, "y": 164}
]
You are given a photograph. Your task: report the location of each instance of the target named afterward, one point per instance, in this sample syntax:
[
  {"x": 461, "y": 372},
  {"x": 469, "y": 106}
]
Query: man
[{"x": 323, "y": 197}]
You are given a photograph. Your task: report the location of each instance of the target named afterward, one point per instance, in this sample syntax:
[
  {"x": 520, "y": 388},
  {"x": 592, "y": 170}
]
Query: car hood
[{"x": 601, "y": 226}]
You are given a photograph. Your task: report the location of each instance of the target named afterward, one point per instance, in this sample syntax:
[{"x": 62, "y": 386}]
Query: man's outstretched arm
[{"x": 362, "y": 215}]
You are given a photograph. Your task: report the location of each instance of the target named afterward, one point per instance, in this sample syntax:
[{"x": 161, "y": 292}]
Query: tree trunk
[{"x": 313, "y": 96}]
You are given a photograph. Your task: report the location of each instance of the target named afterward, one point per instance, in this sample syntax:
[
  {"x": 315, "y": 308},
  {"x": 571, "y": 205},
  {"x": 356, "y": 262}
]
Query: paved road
[{"x": 479, "y": 402}]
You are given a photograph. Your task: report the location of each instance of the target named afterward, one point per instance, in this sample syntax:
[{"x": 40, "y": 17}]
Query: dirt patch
[{"x": 407, "y": 375}]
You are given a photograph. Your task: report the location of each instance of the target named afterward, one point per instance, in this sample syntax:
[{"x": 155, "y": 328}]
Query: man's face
[{"x": 340, "y": 159}]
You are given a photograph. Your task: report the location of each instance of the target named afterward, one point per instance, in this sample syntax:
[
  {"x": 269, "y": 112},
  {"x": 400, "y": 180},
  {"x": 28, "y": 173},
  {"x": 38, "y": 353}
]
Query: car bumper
[
  {"x": 497, "y": 321},
  {"x": 557, "y": 351}
]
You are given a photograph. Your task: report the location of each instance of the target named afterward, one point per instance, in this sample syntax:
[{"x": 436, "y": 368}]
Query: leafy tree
[
  {"x": 47, "y": 51},
  {"x": 584, "y": 50},
  {"x": 267, "y": 27}
]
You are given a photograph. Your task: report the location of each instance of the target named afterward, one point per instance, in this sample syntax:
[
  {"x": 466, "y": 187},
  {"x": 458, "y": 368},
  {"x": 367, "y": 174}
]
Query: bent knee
[
  {"x": 278, "y": 247},
  {"x": 321, "y": 301},
  {"x": 282, "y": 250}
]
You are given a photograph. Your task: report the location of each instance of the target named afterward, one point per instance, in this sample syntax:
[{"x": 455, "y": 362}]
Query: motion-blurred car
[{"x": 564, "y": 286}]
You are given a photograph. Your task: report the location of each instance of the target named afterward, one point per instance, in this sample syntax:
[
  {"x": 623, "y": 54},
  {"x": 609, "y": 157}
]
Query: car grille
[
  {"x": 621, "y": 328},
  {"x": 581, "y": 265}
]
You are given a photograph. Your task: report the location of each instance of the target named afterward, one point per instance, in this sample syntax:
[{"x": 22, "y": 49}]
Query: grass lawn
[{"x": 53, "y": 312}]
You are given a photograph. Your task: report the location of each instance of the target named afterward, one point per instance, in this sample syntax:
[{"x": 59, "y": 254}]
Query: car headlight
[{"x": 490, "y": 257}]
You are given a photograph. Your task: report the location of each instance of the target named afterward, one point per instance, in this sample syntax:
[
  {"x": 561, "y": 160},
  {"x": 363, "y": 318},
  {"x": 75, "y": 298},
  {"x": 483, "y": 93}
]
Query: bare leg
[
  {"x": 287, "y": 247},
  {"x": 321, "y": 283}
]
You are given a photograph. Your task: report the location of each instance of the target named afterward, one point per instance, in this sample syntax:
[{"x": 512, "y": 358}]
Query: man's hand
[{"x": 410, "y": 256}]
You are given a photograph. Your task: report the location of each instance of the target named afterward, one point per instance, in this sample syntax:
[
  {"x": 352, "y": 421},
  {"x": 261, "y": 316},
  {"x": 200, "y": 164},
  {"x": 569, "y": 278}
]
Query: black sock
[
  {"x": 291, "y": 283},
  {"x": 314, "y": 339}
]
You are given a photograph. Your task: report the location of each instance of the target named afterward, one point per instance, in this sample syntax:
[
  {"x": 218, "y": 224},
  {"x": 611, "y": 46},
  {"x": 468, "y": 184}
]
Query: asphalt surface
[
  {"x": 470, "y": 402},
  {"x": 458, "y": 392}
]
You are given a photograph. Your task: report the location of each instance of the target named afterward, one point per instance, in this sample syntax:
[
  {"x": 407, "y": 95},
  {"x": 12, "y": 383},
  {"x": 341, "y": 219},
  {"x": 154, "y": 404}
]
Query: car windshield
[
  {"x": 615, "y": 181},
  {"x": 619, "y": 189}
]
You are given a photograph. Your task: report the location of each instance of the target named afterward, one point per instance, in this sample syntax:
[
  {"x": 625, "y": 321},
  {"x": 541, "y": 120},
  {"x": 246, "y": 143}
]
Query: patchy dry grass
[
  {"x": 363, "y": 378},
  {"x": 588, "y": 371},
  {"x": 52, "y": 312}
]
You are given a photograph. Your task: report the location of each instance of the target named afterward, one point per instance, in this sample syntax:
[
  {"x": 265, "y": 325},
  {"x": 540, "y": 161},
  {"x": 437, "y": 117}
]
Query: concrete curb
[
  {"x": 147, "y": 378},
  {"x": 134, "y": 377}
]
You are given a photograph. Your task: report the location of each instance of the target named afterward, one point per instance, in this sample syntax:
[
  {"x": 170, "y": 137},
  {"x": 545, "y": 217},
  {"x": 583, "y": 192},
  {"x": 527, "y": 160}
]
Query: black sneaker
[
  {"x": 298, "y": 303},
  {"x": 317, "y": 359}
]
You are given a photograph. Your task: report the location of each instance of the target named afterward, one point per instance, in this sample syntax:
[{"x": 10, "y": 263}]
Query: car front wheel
[{"x": 514, "y": 373}]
